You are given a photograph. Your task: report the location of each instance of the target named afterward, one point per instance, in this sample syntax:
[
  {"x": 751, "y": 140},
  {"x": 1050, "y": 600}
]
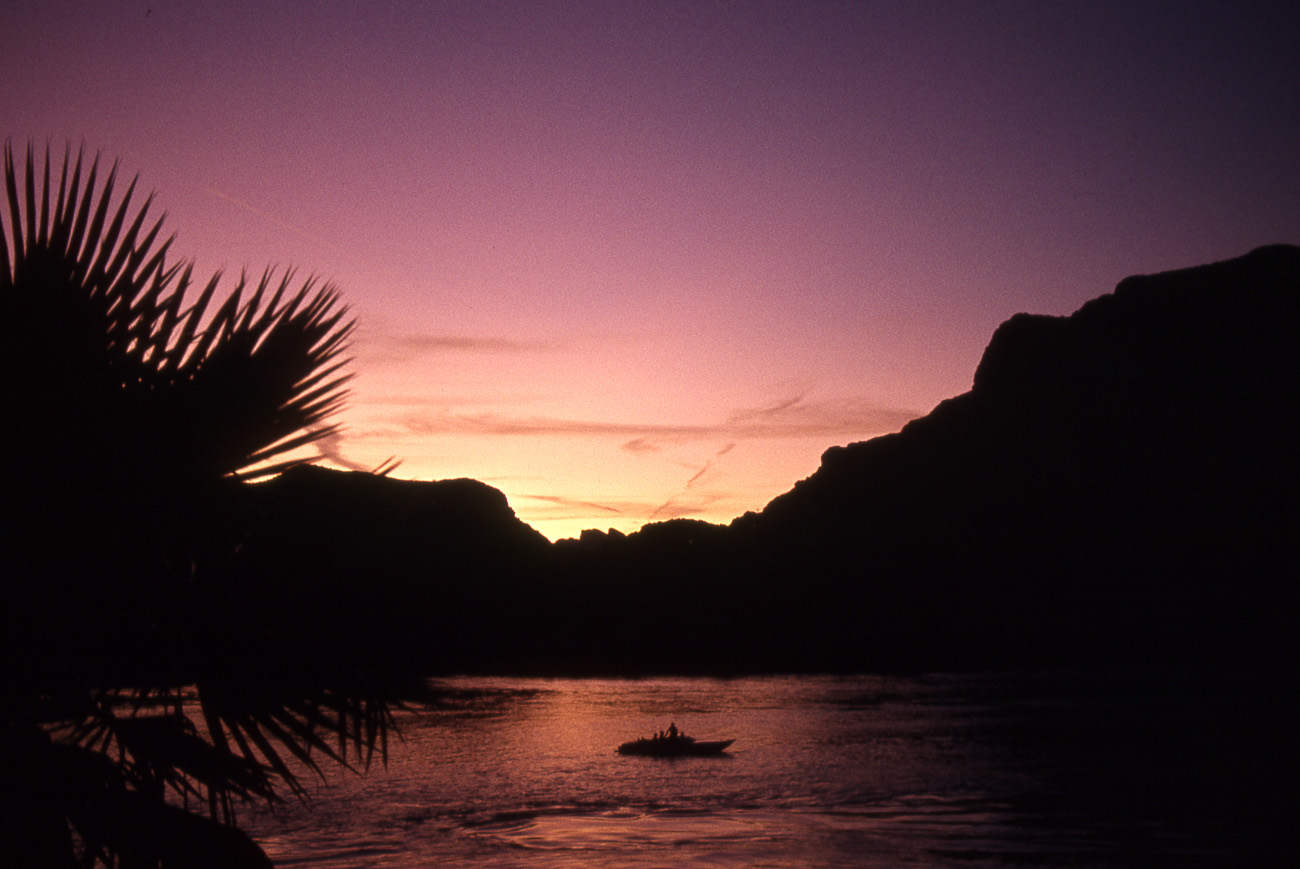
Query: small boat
[{"x": 674, "y": 746}]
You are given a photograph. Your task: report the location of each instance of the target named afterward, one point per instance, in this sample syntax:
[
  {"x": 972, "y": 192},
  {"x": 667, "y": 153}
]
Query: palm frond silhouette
[{"x": 150, "y": 682}]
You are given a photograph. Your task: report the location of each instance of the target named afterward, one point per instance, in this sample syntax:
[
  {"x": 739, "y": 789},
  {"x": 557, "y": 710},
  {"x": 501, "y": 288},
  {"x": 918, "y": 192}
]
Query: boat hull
[{"x": 674, "y": 747}]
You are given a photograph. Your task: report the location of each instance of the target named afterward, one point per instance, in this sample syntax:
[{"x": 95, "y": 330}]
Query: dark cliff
[
  {"x": 1118, "y": 485},
  {"x": 1176, "y": 391},
  {"x": 1120, "y": 481},
  {"x": 419, "y": 575}
]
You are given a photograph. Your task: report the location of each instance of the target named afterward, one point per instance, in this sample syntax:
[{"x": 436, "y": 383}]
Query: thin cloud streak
[
  {"x": 390, "y": 341},
  {"x": 271, "y": 218},
  {"x": 792, "y": 418},
  {"x": 576, "y": 503},
  {"x": 579, "y": 509},
  {"x": 669, "y": 510},
  {"x": 673, "y": 509},
  {"x": 419, "y": 344},
  {"x": 769, "y": 411},
  {"x": 331, "y": 447},
  {"x": 442, "y": 401},
  {"x": 380, "y": 347},
  {"x": 641, "y": 445},
  {"x": 699, "y": 474}
]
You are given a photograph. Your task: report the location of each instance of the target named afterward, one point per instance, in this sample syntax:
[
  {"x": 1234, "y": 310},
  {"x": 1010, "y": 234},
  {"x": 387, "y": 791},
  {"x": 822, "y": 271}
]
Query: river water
[{"x": 971, "y": 770}]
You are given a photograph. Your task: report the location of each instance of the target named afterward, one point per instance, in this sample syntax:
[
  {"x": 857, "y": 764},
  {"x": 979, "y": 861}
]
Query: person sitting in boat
[{"x": 672, "y": 730}]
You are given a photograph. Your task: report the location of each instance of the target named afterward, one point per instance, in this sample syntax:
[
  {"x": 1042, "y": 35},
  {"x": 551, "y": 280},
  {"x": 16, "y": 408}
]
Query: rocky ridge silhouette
[{"x": 1118, "y": 485}]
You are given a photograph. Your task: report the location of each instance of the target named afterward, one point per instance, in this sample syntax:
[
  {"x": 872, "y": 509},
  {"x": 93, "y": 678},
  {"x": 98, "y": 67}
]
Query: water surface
[{"x": 985, "y": 770}]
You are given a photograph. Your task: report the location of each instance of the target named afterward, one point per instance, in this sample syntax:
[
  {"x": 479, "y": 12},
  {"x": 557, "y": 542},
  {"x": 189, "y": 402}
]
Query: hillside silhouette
[{"x": 1117, "y": 486}]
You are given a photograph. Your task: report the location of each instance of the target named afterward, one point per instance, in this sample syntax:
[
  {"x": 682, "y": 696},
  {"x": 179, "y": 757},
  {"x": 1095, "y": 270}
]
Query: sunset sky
[{"x": 630, "y": 261}]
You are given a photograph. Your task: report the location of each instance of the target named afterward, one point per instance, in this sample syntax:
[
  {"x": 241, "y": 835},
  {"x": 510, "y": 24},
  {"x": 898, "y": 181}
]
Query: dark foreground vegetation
[{"x": 148, "y": 683}]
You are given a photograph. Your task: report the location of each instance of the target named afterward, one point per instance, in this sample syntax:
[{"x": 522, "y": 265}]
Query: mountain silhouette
[
  {"x": 1120, "y": 481},
  {"x": 397, "y": 573},
  {"x": 1118, "y": 485}
]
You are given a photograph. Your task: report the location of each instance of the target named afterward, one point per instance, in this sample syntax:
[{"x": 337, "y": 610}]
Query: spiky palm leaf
[
  {"x": 137, "y": 403},
  {"x": 223, "y": 389}
]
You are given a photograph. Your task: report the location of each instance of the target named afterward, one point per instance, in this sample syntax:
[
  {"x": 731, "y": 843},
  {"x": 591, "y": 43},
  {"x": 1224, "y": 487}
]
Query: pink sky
[{"x": 631, "y": 261}]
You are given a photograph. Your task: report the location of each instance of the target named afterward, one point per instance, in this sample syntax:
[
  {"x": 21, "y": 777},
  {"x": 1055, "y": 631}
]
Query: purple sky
[{"x": 629, "y": 261}]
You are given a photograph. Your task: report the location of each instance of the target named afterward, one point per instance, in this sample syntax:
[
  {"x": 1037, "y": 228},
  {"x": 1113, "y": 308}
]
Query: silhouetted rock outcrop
[
  {"x": 1119, "y": 484},
  {"x": 418, "y": 574},
  {"x": 464, "y": 520}
]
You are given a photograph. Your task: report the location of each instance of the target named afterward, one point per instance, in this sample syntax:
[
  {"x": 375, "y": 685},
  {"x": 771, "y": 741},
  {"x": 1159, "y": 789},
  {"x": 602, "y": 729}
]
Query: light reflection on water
[{"x": 826, "y": 771}]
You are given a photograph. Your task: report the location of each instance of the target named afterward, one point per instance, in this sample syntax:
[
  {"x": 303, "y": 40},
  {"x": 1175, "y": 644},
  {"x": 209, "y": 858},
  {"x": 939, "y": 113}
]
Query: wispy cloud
[
  {"x": 699, "y": 474},
  {"x": 389, "y": 340},
  {"x": 331, "y": 447},
  {"x": 382, "y": 346},
  {"x": 769, "y": 411},
  {"x": 271, "y": 218},
  {"x": 794, "y": 417},
  {"x": 790, "y": 417},
  {"x": 501, "y": 424},
  {"x": 680, "y": 507},
  {"x": 704, "y": 483},
  {"x": 583, "y": 507},
  {"x": 798, "y": 416},
  {"x": 672, "y": 510},
  {"x": 460, "y": 343}
]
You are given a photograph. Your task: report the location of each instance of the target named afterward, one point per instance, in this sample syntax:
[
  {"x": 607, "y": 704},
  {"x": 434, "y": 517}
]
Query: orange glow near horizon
[{"x": 646, "y": 456}]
